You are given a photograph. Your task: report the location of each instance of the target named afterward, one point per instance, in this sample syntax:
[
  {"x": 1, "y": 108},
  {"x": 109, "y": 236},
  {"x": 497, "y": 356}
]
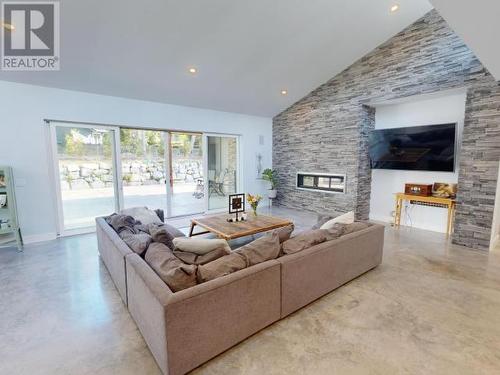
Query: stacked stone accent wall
[{"x": 328, "y": 130}]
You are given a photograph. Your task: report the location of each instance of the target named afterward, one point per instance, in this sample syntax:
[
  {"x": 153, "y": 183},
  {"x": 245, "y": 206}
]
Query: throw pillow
[
  {"x": 354, "y": 227},
  {"x": 335, "y": 232},
  {"x": 142, "y": 214},
  {"x": 161, "y": 234},
  {"x": 284, "y": 233},
  {"x": 200, "y": 246},
  {"x": 174, "y": 232},
  {"x": 260, "y": 250},
  {"x": 121, "y": 222},
  {"x": 138, "y": 228},
  {"x": 324, "y": 217},
  {"x": 138, "y": 242},
  {"x": 220, "y": 267},
  {"x": 346, "y": 218},
  {"x": 176, "y": 274},
  {"x": 192, "y": 258},
  {"x": 161, "y": 215},
  {"x": 304, "y": 240}
]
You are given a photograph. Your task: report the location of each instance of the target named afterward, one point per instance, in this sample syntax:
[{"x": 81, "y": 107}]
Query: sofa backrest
[{"x": 311, "y": 273}]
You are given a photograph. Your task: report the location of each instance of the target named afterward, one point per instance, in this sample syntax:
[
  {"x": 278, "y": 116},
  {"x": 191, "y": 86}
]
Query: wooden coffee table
[{"x": 219, "y": 225}]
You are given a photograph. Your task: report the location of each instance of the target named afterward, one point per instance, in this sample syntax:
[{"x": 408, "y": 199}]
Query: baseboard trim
[
  {"x": 39, "y": 238},
  {"x": 390, "y": 220}
]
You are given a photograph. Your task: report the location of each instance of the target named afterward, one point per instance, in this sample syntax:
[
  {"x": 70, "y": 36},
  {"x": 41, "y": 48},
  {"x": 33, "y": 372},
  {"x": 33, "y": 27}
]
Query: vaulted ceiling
[
  {"x": 245, "y": 52},
  {"x": 477, "y": 23}
]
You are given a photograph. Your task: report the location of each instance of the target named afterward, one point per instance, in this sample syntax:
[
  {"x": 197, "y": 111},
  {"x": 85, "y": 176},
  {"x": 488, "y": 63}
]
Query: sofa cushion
[
  {"x": 262, "y": 249},
  {"x": 284, "y": 233},
  {"x": 221, "y": 267},
  {"x": 304, "y": 240},
  {"x": 142, "y": 214},
  {"x": 159, "y": 233},
  {"x": 176, "y": 274},
  {"x": 192, "y": 258},
  {"x": 346, "y": 218},
  {"x": 200, "y": 246},
  {"x": 138, "y": 242}
]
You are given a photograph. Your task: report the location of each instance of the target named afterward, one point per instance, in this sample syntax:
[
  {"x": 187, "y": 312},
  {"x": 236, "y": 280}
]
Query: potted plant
[{"x": 271, "y": 175}]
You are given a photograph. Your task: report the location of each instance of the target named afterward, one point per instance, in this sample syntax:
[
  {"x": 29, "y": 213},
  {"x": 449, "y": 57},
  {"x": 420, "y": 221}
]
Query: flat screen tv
[{"x": 420, "y": 148}]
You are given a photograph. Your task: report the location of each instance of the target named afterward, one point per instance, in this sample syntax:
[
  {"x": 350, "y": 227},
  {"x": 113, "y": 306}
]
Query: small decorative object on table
[
  {"x": 423, "y": 190},
  {"x": 254, "y": 202},
  {"x": 444, "y": 190},
  {"x": 236, "y": 205}
]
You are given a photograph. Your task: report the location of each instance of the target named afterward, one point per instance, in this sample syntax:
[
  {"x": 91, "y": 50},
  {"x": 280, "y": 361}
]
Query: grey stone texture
[{"x": 328, "y": 130}]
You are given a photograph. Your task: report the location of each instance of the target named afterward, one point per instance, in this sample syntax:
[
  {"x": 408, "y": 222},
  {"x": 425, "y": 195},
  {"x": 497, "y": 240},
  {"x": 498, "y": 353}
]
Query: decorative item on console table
[
  {"x": 271, "y": 175},
  {"x": 422, "y": 190},
  {"x": 444, "y": 190},
  {"x": 236, "y": 205},
  {"x": 254, "y": 202}
]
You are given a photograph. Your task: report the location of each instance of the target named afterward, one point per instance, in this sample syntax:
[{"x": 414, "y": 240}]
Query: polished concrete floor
[{"x": 430, "y": 308}]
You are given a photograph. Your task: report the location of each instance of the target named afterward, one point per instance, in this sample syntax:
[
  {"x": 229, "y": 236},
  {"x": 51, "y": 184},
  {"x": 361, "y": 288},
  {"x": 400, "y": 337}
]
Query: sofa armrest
[{"x": 113, "y": 252}]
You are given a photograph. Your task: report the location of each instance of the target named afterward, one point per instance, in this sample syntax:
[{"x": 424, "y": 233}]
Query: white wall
[
  {"x": 385, "y": 183},
  {"x": 23, "y": 145}
]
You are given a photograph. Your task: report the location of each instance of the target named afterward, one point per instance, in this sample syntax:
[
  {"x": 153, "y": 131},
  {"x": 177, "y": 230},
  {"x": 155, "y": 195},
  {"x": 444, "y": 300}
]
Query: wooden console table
[{"x": 447, "y": 203}]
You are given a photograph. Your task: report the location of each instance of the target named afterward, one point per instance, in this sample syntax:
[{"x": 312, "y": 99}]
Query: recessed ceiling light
[
  {"x": 193, "y": 70},
  {"x": 394, "y": 8},
  {"x": 8, "y": 26},
  {"x": 284, "y": 92}
]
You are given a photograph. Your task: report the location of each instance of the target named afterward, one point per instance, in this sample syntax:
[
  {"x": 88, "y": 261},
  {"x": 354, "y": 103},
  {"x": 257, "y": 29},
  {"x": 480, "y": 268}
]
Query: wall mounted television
[{"x": 420, "y": 148}]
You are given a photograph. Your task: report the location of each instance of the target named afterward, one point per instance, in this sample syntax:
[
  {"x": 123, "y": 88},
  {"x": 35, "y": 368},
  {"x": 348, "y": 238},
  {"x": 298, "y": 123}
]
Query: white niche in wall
[{"x": 445, "y": 107}]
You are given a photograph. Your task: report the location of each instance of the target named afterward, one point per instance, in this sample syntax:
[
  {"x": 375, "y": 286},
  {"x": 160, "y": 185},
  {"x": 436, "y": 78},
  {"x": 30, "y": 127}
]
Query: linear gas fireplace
[{"x": 324, "y": 182}]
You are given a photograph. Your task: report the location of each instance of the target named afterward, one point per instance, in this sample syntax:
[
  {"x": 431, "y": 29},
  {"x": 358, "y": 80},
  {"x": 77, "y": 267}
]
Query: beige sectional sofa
[{"x": 187, "y": 328}]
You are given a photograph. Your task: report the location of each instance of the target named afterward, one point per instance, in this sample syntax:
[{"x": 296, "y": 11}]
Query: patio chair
[{"x": 216, "y": 186}]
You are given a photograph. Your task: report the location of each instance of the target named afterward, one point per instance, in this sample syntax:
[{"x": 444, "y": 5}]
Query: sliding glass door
[
  {"x": 143, "y": 160},
  {"x": 86, "y": 174},
  {"x": 99, "y": 170},
  {"x": 222, "y": 170}
]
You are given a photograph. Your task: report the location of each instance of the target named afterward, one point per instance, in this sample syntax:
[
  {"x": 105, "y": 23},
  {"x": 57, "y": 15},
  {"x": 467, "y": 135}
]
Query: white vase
[{"x": 272, "y": 193}]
